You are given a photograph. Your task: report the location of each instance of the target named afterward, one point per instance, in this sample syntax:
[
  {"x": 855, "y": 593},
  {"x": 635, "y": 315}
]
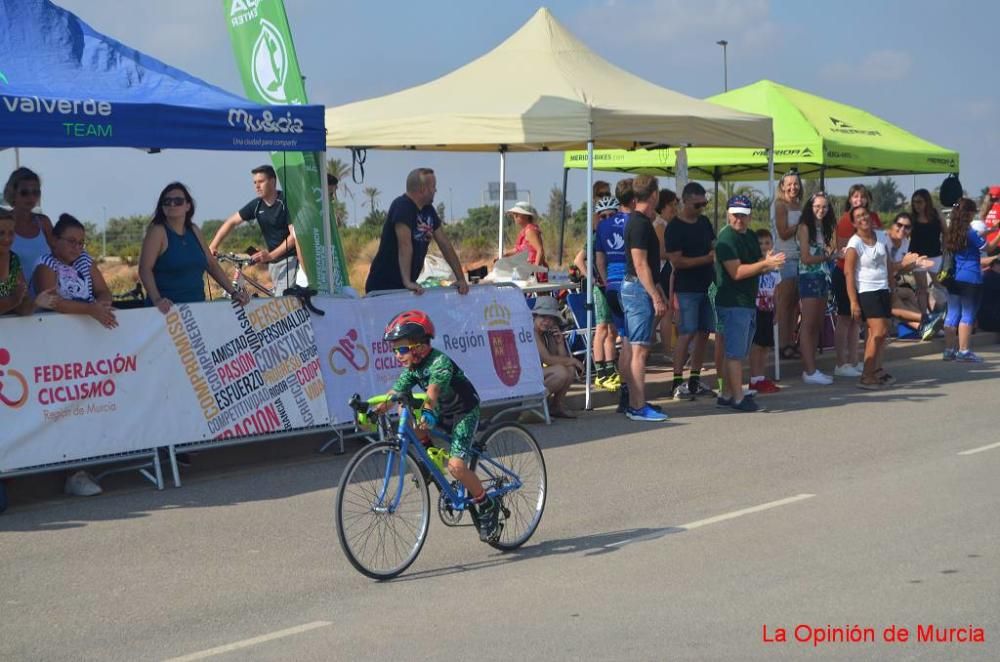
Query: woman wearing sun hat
[
  {"x": 559, "y": 369},
  {"x": 530, "y": 237}
]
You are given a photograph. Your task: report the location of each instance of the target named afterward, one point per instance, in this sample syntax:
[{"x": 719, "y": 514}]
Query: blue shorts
[
  {"x": 790, "y": 269},
  {"x": 813, "y": 285},
  {"x": 639, "y": 316},
  {"x": 738, "y": 326},
  {"x": 696, "y": 313}
]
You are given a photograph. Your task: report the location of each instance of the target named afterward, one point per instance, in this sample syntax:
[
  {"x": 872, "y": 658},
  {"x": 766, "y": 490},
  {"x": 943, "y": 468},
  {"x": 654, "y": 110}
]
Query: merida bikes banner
[
  {"x": 488, "y": 332},
  {"x": 70, "y": 389},
  {"x": 265, "y": 56}
]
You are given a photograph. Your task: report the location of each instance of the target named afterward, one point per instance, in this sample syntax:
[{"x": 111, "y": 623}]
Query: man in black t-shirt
[
  {"x": 641, "y": 296},
  {"x": 271, "y": 214},
  {"x": 690, "y": 244},
  {"x": 406, "y": 235}
]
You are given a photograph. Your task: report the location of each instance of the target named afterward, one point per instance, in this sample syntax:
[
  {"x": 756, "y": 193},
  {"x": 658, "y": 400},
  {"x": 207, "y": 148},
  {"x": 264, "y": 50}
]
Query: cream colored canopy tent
[{"x": 540, "y": 90}]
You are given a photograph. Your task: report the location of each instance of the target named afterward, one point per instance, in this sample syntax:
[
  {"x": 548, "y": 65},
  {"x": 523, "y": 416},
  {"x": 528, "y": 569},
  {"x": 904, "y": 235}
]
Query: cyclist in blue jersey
[
  {"x": 605, "y": 330},
  {"x": 609, "y": 258}
]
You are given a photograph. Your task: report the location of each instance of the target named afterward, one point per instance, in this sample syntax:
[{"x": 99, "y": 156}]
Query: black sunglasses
[
  {"x": 25, "y": 192},
  {"x": 173, "y": 201},
  {"x": 700, "y": 205},
  {"x": 905, "y": 226}
]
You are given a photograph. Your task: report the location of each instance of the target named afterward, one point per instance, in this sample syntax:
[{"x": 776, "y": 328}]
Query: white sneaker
[
  {"x": 749, "y": 391},
  {"x": 860, "y": 367},
  {"x": 817, "y": 377},
  {"x": 82, "y": 484},
  {"x": 846, "y": 370}
]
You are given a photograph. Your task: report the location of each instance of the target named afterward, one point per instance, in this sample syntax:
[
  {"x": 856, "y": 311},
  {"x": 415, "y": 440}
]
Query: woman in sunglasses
[
  {"x": 174, "y": 255},
  {"x": 32, "y": 232},
  {"x": 68, "y": 280}
]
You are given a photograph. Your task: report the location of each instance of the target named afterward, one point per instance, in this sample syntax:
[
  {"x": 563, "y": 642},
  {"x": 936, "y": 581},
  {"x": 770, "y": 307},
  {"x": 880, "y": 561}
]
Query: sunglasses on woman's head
[{"x": 173, "y": 201}]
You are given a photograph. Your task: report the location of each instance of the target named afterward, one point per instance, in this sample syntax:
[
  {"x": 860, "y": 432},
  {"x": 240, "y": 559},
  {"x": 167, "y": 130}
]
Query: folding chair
[{"x": 577, "y": 339}]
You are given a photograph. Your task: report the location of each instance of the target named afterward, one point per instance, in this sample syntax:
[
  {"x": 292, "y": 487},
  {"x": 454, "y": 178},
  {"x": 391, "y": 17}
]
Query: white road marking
[
  {"x": 723, "y": 517},
  {"x": 973, "y": 451},
  {"x": 246, "y": 643},
  {"x": 745, "y": 511}
]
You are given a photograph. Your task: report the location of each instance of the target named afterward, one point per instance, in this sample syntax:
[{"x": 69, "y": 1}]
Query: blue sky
[{"x": 929, "y": 67}]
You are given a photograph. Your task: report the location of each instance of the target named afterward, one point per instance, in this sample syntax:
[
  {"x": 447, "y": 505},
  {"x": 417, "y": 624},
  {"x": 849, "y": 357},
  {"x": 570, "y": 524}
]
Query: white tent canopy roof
[{"x": 541, "y": 89}]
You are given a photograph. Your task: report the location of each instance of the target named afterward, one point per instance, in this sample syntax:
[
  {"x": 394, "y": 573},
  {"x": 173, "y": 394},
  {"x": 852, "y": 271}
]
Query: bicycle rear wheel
[
  {"x": 381, "y": 541},
  {"x": 514, "y": 449}
]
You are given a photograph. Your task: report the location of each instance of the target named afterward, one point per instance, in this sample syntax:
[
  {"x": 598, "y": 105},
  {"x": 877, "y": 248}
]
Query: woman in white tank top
[
  {"x": 787, "y": 210},
  {"x": 32, "y": 232}
]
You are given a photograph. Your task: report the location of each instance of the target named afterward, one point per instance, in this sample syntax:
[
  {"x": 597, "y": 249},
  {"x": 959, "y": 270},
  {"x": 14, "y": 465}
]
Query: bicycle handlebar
[
  {"x": 235, "y": 259},
  {"x": 305, "y": 295}
]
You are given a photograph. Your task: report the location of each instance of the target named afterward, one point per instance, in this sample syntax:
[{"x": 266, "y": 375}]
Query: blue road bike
[{"x": 383, "y": 507}]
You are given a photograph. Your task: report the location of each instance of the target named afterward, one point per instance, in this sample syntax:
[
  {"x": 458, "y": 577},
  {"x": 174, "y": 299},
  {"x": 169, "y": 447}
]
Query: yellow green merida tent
[{"x": 819, "y": 137}]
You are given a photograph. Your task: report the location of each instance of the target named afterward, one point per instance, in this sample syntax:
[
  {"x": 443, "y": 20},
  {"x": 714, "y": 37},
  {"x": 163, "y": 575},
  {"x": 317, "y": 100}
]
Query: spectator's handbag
[{"x": 947, "y": 274}]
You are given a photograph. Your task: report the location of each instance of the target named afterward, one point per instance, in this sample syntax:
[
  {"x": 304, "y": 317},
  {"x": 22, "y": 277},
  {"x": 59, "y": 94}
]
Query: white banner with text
[
  {"x": 488, "y": 332},
  {"x": 70, "y": 389}
]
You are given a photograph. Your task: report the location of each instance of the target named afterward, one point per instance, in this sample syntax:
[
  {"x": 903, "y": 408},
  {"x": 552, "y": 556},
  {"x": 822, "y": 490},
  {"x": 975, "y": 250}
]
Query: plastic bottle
[{"x": 439, "y": 457}]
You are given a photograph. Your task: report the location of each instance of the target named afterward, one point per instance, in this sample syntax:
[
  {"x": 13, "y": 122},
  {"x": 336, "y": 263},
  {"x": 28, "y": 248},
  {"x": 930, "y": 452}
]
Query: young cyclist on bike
[{"x": 452, "y": 401}]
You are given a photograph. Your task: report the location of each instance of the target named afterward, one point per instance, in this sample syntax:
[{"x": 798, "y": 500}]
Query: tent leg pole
[
  {"x": 562, "y": 216},
  {"x": 503, "y": 176},
  {"x": 327, "y": 232},
  {"x": 770, "y": 192},
  {"x": 590, "y": 274},
  {"x": 716, "y": 198}
]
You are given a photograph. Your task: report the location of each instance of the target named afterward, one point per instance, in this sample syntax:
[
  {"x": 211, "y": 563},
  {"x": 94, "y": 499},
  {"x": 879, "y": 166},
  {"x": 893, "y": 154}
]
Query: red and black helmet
[{"x": 410, "y": 325}]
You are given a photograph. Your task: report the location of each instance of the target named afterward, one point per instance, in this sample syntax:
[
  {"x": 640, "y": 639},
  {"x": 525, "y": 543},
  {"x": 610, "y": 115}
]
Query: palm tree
[
  {"x": 342, "y": 171},
  {"x": 372, "y": 194},
  {"x": 886, "y": 196}
]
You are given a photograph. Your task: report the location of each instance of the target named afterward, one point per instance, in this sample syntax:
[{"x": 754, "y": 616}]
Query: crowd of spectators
[{"x": 812, "y": 278}]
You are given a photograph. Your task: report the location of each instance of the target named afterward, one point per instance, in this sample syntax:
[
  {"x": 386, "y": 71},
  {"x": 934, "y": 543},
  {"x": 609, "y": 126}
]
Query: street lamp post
[{"x": 725, "y": 65}]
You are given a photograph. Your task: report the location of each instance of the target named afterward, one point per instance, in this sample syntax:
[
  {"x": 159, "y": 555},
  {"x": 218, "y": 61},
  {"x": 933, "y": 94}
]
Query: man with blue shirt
[{"x": 406, "y": 235}]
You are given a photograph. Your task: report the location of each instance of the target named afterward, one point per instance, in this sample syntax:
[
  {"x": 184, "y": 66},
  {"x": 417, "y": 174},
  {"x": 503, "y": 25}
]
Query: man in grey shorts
[{"x": 271, "y": 213}]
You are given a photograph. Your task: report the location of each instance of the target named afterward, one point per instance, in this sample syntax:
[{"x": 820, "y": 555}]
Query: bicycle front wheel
[
  {"x": 511, "y": 453},
  {"x": 382, "y": 513}
]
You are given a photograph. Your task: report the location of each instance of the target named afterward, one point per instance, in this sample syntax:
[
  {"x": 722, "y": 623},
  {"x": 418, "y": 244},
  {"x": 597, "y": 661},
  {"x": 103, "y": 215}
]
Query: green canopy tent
[{"x": 816, "y": 136}]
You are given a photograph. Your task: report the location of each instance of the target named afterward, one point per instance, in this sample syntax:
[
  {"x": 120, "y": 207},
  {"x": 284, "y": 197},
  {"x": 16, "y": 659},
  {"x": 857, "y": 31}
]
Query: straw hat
[{"x": 522, "y": 207}]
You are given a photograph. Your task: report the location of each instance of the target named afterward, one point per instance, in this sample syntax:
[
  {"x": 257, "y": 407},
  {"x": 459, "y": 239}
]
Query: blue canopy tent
[{"x": 62, "y": 84}]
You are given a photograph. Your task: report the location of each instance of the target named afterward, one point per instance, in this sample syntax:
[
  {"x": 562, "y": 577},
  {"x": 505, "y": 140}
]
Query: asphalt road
[{"x": 836, "y": 508}]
